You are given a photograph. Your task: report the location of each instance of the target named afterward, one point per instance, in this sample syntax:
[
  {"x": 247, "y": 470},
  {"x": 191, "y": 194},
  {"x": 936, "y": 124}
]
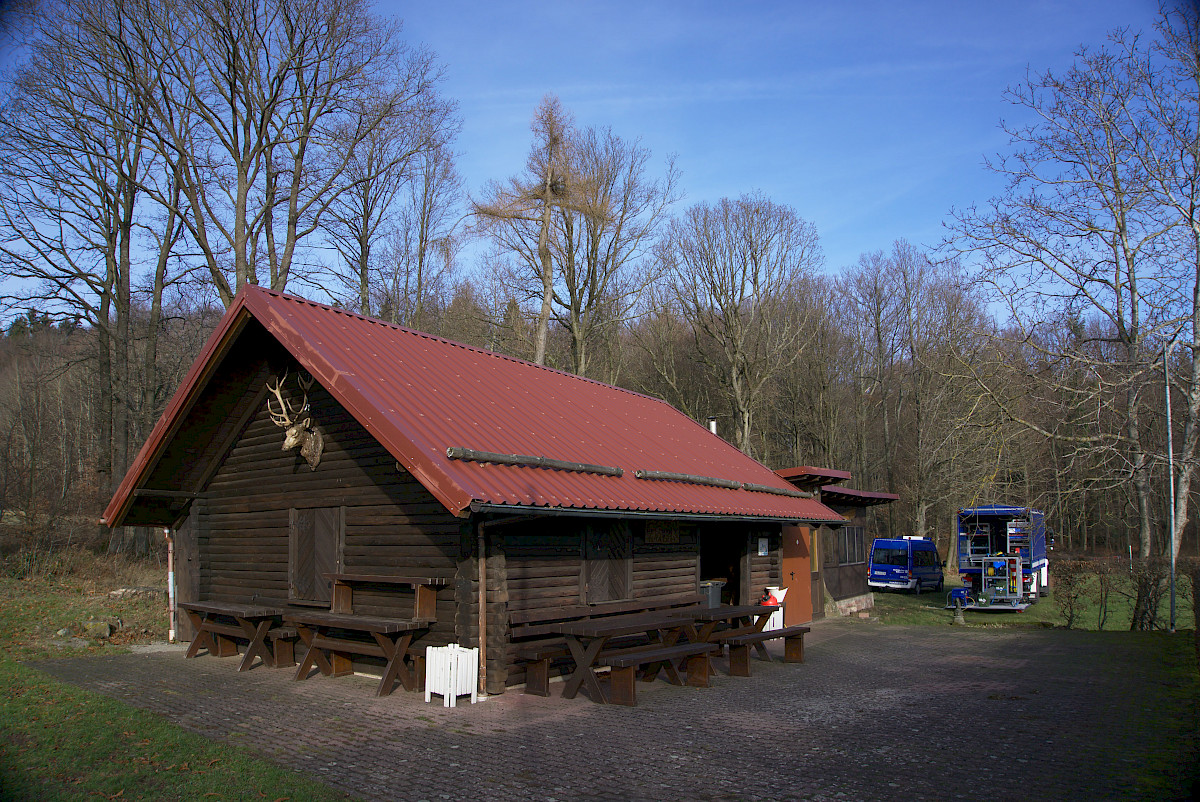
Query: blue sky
[{"x": 871, "y": 119}]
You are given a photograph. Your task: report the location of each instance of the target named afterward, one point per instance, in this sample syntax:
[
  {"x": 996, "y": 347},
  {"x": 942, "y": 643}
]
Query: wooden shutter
[
  {"x": 606, "y": 562},
  {"x": 315, "y": 539}
]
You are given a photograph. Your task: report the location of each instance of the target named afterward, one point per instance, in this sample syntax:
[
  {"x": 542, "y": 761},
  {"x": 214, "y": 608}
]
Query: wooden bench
[
  {"x": 330, "y": 639},
  {"x": 625, "y": 662},
  {"x": 739, "y": 647},
  {"x": 539, "y": 647},
  {"x": 251, "y": 622}
]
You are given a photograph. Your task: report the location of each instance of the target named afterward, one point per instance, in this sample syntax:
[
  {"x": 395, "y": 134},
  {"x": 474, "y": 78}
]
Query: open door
[{"x": 798, "y": 575}]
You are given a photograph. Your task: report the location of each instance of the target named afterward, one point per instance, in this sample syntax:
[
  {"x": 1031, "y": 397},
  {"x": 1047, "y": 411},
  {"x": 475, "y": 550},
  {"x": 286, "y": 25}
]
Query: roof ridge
[{"x": 455, "y": 343}]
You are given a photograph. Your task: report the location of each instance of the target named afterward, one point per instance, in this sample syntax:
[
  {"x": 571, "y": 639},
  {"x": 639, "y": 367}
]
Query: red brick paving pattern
[{"x": 913, "y": 713}]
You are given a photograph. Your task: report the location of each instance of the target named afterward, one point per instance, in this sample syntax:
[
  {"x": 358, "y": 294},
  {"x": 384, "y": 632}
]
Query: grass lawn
[
  {"x": 60, "y": 742},
  {"x": 898, "y": 607}
]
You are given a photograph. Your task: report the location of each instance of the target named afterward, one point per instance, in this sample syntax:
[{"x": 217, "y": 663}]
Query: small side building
[
  {"x": 526, "y": 487},
  {"x": 837, "y": 554}
]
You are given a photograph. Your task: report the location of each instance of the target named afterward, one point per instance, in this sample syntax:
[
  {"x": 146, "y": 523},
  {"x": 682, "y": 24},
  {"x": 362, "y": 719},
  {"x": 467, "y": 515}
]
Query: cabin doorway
[
  {"x": 797, "y": 575},
  {"x": 721, "y": 557}
]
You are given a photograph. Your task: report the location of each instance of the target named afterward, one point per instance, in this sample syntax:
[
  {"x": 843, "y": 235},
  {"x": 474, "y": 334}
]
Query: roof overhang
[
  {"x": 808, "y": 477},
  {"x": 849, "y": 497},
  {"x": 513, "y": 509}
]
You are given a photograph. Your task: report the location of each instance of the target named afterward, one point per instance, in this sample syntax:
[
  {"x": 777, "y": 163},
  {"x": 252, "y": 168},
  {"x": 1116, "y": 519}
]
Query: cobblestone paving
[{"x": 875, "y": 712}]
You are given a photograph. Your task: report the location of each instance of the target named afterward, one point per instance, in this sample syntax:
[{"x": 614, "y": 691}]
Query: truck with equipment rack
[{"x": 1002, "y": 554}]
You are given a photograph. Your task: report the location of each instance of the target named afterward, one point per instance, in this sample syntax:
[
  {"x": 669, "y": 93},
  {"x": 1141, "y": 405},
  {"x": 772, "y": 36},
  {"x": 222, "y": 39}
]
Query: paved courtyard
[{"x": 874, "y": 713}]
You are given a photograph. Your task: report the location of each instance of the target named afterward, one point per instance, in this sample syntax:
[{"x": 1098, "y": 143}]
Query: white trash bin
[
  {"x": 451, "y": 671},
  {"x": 776, "y": 619}
]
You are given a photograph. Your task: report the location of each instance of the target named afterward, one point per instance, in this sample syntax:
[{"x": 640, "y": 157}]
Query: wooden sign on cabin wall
[{"x": 662, "y": 533}]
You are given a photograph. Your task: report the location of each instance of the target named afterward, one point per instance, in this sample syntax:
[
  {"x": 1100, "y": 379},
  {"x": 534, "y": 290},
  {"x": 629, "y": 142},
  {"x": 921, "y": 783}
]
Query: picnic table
[
  {"x": 745, "y": 628},
  {"x": 215, "y": 632},
  {"x": 330, "y": 639},
  {"x": 738, "y": 618},
  {"x": 586, "y": 641}
]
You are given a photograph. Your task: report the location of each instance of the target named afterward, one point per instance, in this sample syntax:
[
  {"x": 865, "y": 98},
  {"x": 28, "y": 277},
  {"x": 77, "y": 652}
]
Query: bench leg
[
  {"x": 739, "y": 661},
  {"x": 202, "y": 639},
  {"x": 340, "y": 665},
  {"x": 257, "y": 635},
  {"x": 226, "y": 647},
  {"x": 312, "y": 655},
  {"x": 537, "y": 677},
  {"x": 793, "y": 649},
  {"x": 395, "y": 669},
  {"x": 623, "y": 686},
  {"x": 418, "y": 671},
  {"x": 698, "y": 669},
  {"x": 285, "y": 652}
]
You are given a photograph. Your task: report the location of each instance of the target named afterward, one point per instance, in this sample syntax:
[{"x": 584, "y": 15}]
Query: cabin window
[
  {"x": 851, "y": 545},
  {"x": 315, "y": 541},
  {"x": 607, "y": 567}
]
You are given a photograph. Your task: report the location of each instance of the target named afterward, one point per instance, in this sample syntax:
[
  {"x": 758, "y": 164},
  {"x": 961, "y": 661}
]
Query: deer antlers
[{"x": 283, "y": 418}]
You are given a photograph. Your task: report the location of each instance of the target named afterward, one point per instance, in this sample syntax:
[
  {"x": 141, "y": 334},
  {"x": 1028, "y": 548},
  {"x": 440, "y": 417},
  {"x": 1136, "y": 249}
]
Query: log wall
[{"x": 392, "y": 523}]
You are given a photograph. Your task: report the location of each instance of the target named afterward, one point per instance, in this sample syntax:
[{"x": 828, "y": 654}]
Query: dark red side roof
[
  {"x": 419, "y": 395},
  {"x": 845, "y": 496},
  {"x": 807, "y": 477}
]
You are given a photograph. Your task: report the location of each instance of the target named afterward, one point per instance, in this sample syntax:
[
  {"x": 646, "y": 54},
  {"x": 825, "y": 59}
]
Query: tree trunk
[{"x": 543, "y": 321}]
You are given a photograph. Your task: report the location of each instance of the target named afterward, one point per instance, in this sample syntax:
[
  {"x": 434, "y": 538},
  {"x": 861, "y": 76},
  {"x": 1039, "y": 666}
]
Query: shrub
[
  {"x": 1070, "y": 584},
  {"x": 1149, "y": 579}
]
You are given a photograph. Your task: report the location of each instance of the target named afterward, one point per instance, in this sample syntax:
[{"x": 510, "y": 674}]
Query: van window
[{"x": 885, "y": 556}]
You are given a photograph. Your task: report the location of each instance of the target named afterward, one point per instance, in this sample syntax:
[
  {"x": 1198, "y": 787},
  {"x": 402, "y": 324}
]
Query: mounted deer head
[{"x": 296, "y": 421}]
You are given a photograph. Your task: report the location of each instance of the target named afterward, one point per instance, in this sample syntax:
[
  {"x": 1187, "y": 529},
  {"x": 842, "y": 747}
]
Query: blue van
[{"x": 909, "y": 563}]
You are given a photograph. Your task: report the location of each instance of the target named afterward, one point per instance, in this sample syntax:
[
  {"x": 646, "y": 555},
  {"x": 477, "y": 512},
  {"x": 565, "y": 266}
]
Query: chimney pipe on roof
[{"x": 712, "y": 425}]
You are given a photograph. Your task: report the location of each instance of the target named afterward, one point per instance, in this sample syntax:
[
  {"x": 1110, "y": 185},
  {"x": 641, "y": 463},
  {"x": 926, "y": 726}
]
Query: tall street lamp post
[{"x": 1167, "y": 347}]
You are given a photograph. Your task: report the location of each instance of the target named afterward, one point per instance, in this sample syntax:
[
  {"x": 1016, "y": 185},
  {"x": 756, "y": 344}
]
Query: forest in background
[{"x": 153, "y": 162}]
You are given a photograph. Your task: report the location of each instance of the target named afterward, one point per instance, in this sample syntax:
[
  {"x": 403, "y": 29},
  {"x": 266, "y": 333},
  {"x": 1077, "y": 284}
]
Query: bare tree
[
  {"x": 410, "y": 145},
  {"x": 77, "y": 157},
  {"x": 809, "y": 405},
  {"x": 1167, "y": 109},
  {"x": 415, "y": 274},
  {"x": 604, "y": 241},
  {"x": 1075, "y": 237},
  {"x": 519, "y": 213},
  {"x": 950, "y": 436},
  {"x": 872, "y": 322},
  {"x": 264, "y": 105},
  {"x": 671, "y": 367},
  {"x": 733, "y": 267}
]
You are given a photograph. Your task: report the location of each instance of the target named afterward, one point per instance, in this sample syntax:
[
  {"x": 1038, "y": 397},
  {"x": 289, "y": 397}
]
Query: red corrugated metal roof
[{"x": 419, "y": 395}]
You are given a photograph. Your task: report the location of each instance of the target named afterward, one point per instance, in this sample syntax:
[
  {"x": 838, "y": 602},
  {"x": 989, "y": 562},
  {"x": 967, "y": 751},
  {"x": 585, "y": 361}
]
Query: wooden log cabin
[{"x": 307, "y": 441}]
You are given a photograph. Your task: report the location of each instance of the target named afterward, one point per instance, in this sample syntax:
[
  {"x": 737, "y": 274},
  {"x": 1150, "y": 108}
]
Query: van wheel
[
  {"x": 941, "y": 585},
  {"x": 917, "y": 588}
]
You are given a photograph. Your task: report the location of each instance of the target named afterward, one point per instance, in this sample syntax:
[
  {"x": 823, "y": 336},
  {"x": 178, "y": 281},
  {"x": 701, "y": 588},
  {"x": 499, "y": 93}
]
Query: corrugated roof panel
[{"x": 419, "y": 395}]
